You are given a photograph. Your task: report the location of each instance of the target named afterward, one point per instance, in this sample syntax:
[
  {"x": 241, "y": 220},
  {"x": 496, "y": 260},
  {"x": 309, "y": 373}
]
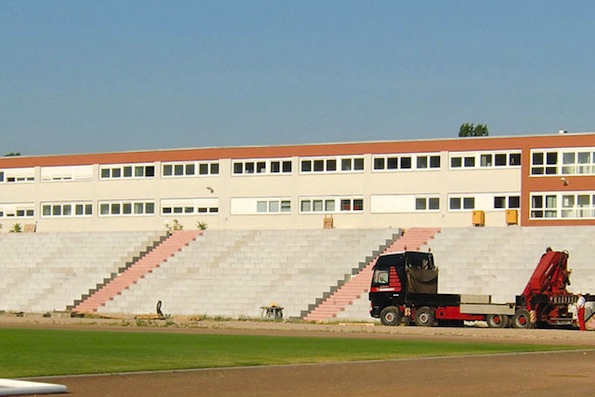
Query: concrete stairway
[
  {"x": 174, "y": 243},
  {"x": 413, "y": 239}
]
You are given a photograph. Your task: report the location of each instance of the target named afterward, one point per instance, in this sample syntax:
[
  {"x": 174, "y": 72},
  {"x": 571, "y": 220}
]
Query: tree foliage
[
  {"x": 469, "y": 129},
  {"x": 11, "y": 154}
]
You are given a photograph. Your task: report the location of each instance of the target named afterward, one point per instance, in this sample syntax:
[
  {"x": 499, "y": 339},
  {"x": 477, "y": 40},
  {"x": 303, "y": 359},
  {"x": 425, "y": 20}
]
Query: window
[
  {"x": 273, "y": 206},
  {"x": 544, "y": 206},
  {"x": 17, "y": 175},
  {"x": 507, "y": 202},
  {"x": 346, "y": 165},
  {"x": 485, "y": 159},
  {"x": 318, "y": 165},
  {"x": 427, "y": 203},
  {"x": 461, "y": 203},
  {"x": 17, "y": 210},
  {"x": 330, "y": 165},
  {"x": 281, "y": 167},
  {"x": 67, "y": 173},
  {"x": 422, "y": 162},
  {"x": 575, "y": 205},
  {"x": 330, "y": 205},
  {"x": 576, "y": 163},
  {"x": 434, "y": 161},
  {"x": 79, "y": 209},
  {"x": 468, "y": 203},
  {"x": 188, "y": 206},
  {"x": 186, "y": 169},
  {"x": 126, "y": 208},
  {"x": 317, "y": 205},
  {"x": 406, "y": 162},
  {"x": 514, "y": 159},
  {"x": 500, "y": 160},
  {"x": 379, "y": 163},
  {"x": 127, "y": 171},
  {"x": 566, "y": 162},
  {"x": 249, "y": 167}
]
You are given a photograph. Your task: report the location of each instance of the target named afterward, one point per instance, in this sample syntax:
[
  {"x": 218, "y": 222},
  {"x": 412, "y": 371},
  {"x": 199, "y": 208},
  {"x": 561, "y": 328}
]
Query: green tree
[
  {"x": 11, "y": 154},
  {"x": 469, "y": 129}
]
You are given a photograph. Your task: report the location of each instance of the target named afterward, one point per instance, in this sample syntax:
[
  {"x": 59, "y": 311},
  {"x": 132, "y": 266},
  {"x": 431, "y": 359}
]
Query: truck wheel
[
  {"x": 522, "y": 319},
  {"x": 497, "y": 320},
  {"x": 424, "y": 317},
  {"x": 390, "y": 315}
]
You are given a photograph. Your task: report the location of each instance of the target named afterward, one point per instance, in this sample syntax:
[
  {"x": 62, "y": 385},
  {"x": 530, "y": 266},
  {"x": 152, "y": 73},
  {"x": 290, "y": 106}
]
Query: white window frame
[
  {"x": 121, "y": 204},
  {"x": 507, "y": 198},
  {"x": 251, "y": 167},
  {"x": 250, "y": 205},
  {"x": 17, "y": 175},
  {"x": 462, "y": 198},
  {"x": 189, "y": 206},
  {"x": 332, "y": 165},
  {"x": 582, "y": 164},
  {"x": 122, "y": 168},
  {"x": 17, "y": 210},
  {"x": 67, "y": 173},
  {"x": 54, "y": 213},
  {"x": 426, "y": 200},
  {"x": 323, "y": 204},
  {"x": 396, "y": 161},
  {"x": 273, "y": 206},
  {"x": 475, "y": 160},
  {"x": 212, "y": 169},
  {"x": 562, "y": 205}
]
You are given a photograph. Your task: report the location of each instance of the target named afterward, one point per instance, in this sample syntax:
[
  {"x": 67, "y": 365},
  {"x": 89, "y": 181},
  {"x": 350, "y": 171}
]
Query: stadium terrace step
[
  {"x": 174, "y": 243},
  {"x": 289, "y": 267},
  {"x": 412, "y": 239}
]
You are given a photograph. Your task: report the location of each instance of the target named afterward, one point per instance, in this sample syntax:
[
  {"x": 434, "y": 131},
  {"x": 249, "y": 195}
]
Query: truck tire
[
  {"x": 424, "y": 317},
  {"x": 390, "y": 315},
  {"x": 497, "y": 320},
  {"x": 522, "y": 319}
]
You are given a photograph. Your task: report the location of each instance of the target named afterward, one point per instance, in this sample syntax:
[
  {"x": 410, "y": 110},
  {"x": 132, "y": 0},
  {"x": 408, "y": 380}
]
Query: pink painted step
[
  {"x": 412, "y": 240},
  {"x": 174, "y": 243}
]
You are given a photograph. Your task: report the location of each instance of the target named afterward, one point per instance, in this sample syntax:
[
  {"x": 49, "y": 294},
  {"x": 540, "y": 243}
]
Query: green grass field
[{"x": 36, "y": 352}]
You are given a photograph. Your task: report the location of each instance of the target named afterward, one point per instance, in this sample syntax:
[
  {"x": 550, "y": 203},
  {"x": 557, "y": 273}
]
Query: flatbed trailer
[{"x": 404, "y": 289}]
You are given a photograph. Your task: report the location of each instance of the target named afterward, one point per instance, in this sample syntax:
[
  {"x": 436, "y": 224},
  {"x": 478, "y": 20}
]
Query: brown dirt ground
[{"x": 536, "y": 374}]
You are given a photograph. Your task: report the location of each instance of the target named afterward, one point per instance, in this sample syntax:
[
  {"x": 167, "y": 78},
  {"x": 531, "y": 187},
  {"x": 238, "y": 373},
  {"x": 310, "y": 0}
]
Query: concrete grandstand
[{"x": 234, "y": 273}]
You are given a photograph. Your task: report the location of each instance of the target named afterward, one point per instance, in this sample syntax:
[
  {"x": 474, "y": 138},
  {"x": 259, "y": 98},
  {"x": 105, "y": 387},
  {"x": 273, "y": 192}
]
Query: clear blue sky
[{"x": 114, "y": 75}]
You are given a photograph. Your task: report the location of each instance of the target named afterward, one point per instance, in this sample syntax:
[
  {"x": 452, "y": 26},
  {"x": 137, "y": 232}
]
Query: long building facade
[{"x": 540, "y": 180}]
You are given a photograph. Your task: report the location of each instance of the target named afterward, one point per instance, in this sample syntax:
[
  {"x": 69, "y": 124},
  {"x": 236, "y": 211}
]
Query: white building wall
[{"x": 388, "y": 197}]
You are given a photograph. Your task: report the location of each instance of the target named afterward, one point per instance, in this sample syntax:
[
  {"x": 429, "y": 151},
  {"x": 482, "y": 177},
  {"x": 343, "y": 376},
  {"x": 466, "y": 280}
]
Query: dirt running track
[
  {"x": 552, "y": 374},
  {"x": 534, "y": 374}
]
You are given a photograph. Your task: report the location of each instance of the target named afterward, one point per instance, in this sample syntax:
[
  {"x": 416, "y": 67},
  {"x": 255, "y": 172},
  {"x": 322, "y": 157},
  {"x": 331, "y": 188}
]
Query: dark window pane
[
  {"x": 331, "y": 165},
  {"x": 378, "y": 163},
  {"x": 406, "y": 163},
  {"x": 434, "y": 161},
  {"x": 392, "y": 163}
]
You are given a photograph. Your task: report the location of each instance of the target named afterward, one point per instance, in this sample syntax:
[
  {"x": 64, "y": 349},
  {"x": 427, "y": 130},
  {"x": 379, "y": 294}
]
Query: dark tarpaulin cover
[{"x": 422, "y": 281}]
